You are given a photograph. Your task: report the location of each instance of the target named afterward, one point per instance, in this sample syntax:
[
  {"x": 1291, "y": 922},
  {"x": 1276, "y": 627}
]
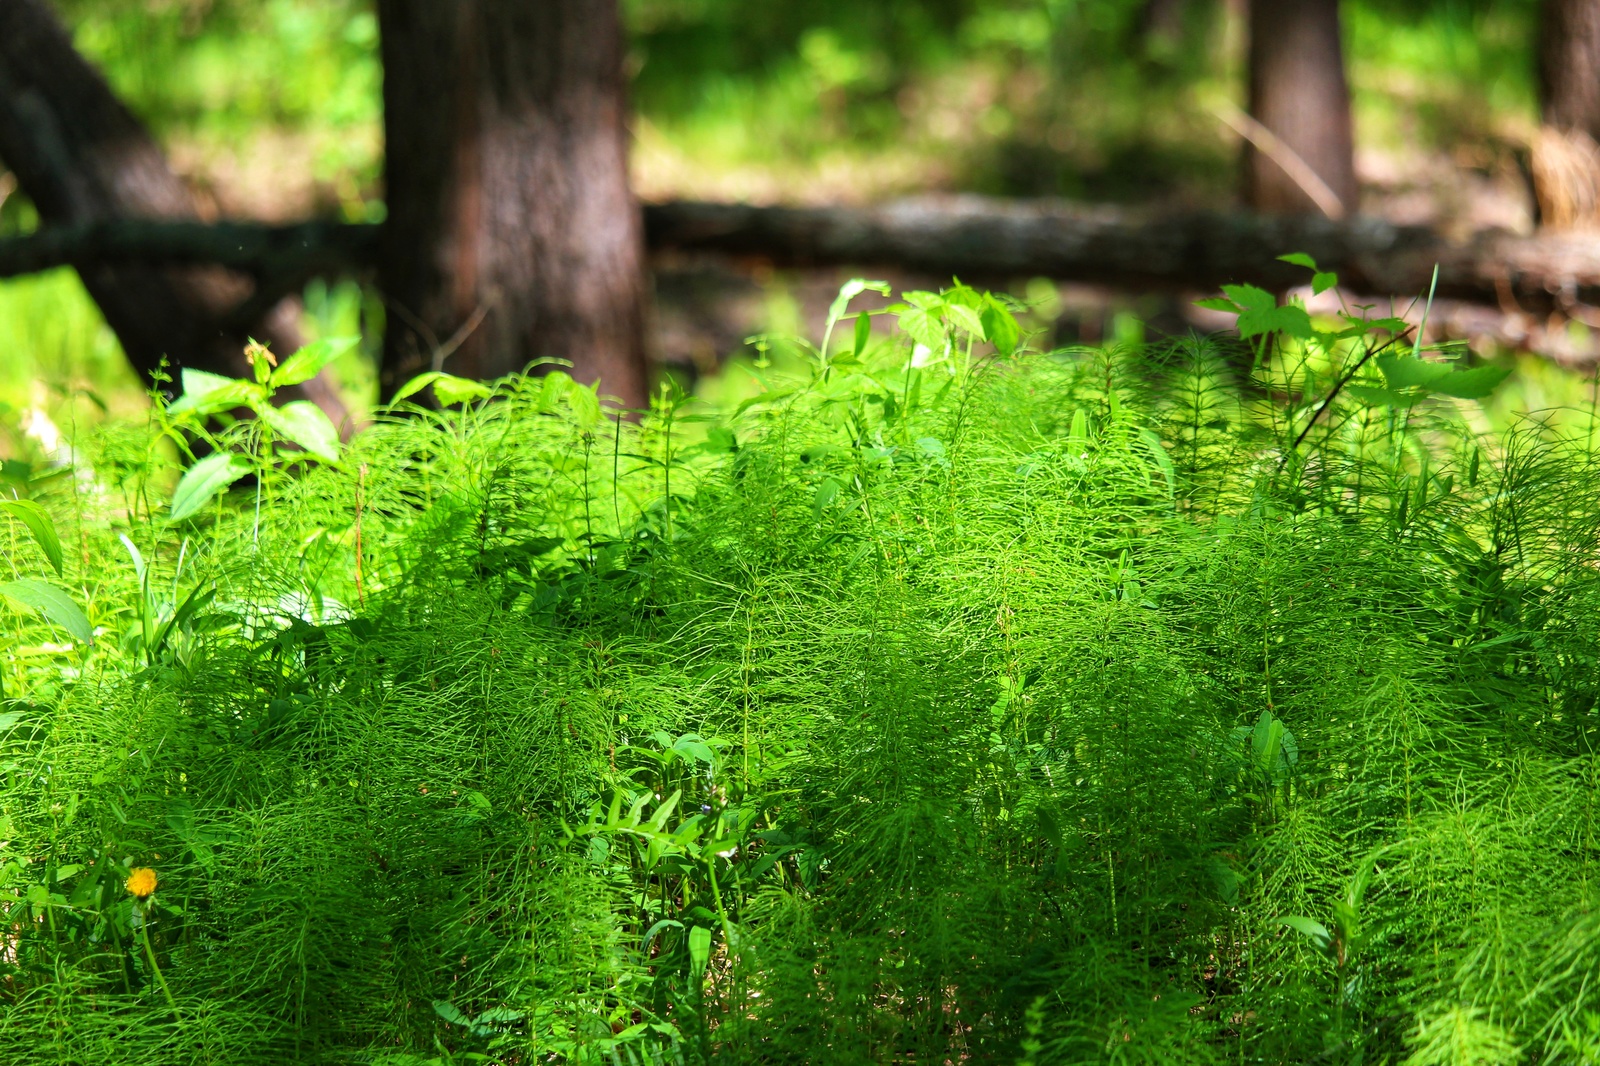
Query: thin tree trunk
[
  {"x": 1565, "y": 158},
  {"x": 512, "y": 235},
  {"x": 1299, "y": 93},
  {"x": 82, "y": 157},
  {"x": 1569, "y": 65}
]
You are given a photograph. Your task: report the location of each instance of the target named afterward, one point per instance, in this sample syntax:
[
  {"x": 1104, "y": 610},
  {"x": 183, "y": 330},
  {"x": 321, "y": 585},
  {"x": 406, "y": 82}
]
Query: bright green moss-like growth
[{"x": 941, "y": 701}]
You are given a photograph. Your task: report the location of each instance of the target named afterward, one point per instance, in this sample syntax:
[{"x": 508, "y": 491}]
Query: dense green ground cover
[{"x": 935, "y": 702}]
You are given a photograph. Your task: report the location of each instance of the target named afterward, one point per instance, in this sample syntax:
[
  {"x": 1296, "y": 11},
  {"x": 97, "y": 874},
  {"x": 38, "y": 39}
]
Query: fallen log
[
  {"x": 976, "y": 239},
  {"x": 979, "y": 238},
  {"x": 285, "y": 255}
]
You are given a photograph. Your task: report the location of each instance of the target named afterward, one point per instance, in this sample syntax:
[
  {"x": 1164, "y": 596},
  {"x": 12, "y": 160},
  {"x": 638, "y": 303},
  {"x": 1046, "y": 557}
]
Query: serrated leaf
[
  {"x": 452, "y": 390},
  {"x": 308, "y": 362},
  {"x": 1299, "y": 259},
  {"x": 1409, "y": 372},
  {"x": 207, "y": 393},
  {"x": 1250, "y": 297},
  {"x": 1323, "y": 280},
  {"x": 415, "y": 385},
  {"x": 39, "y": 524},
  {"x": 1377, "y": 397},
  {"x": 304, "y": 423},
  {"x": 966, "y": 318},
  {"x": 924, "y": 327},
  {"x": 584, "y": 401},
  {"x": 1219, "y": 303},
  {"x": 1392, "y": 325},
  {"x": 204, "y": 480},
  {"x": 199, "y": 384},
  {"x": 447, "y": 388},
  {"x": 1290, "y": 320},
  {"x": 54, "y": 604},
  {"x": 1474, "y": 384}
]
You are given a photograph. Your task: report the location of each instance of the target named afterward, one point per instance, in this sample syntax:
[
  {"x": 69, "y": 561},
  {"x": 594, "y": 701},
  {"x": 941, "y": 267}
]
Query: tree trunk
[
  {"x": 1569, "y": 65},
  {"x": 1565, "y": 158},
  {"x": 82, "y": 157},
  {"x": 1298, "y": 92},
  {"x": 512, "y": 235}
]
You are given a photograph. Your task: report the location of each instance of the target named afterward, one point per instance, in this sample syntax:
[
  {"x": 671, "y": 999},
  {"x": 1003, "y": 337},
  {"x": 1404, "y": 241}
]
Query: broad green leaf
[
  {"x": 1474, "y": 384},
  {"x": 1078, "y": 432},
  {"x": 447, "y": 388},
  {"x": 40, "y": 525},
  {"x": 553, "y": 388},
  {"x": 1000, "y": 327},
  {"x": 51, "y": 602},
  {"x": 1260, "y": 314},
  {"x": 309, "y": 361},
  {"x": 304, "y": 423},
  {"x": 1163, "y": 461},
  {"x": 199, "y": 384},
  {"x": 416, "y": 385},
  {"x": 585, "y": 403},
  {"x": 1407, "y": 372},
  {"x": 827, "y": 494},
  {"x": 1314, "y": 930},
  {"x": 923, "y": 326},
  {"x": 1377, "y": 397},
  {"x": 1323, "y": 280},
  {"x": 204, "y": 480},
  {"x": 1392, "y": 325},
  {"x": 699, "y": 949},
  {"x": 967, "y": 319},
  {"x": 1289, "y": 319},
  {"x": 450, "y": 1013},
  {"x": 15, "y": 472},
  {"x": 1250, "y": 297},
  {"x": 863, "y": 333},
  {"x": 1299, "y": 259},
  {"x": 452, "y": 390},
  {"x": 1219, "y": 303},
  {"x": 1226, "y": 879},
  {"x": 135, "y": 554},
  {"x": 206, "y": 393}
]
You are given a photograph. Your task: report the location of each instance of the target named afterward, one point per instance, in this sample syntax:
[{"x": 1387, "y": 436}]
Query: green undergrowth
[{"x": 939, "y": 702}]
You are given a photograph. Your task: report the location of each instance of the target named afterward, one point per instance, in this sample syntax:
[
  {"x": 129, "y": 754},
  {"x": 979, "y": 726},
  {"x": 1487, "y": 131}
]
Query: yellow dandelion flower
[{"x": 141, "y": 882}]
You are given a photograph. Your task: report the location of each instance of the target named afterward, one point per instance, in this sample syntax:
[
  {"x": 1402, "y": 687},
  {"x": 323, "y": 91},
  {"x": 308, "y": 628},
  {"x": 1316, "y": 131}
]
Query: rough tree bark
[
  {"x": 1569, "y": 65},
  {"x": 82, "y": 157},
  {"x": 1299, "y": 93},
  {"x": 512, "y": 234},
  {"x": 1565, "y": 158}
]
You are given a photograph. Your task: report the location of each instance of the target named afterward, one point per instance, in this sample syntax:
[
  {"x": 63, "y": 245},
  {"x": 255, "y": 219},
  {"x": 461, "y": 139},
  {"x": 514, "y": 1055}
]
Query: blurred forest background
[{"x": 270, "y": 109}]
